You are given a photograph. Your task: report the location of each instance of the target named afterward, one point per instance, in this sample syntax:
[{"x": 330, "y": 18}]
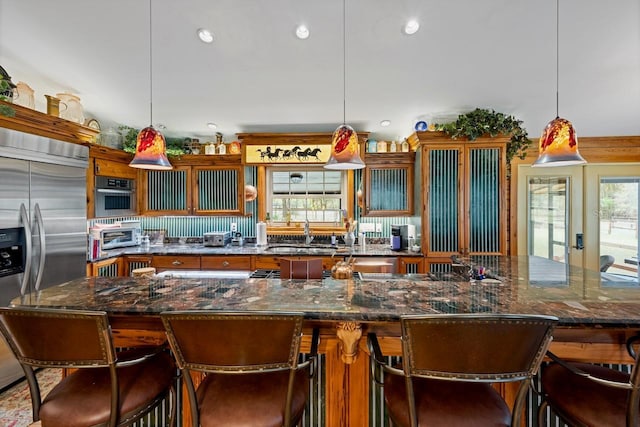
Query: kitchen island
[{"x": 597, "y": 311}]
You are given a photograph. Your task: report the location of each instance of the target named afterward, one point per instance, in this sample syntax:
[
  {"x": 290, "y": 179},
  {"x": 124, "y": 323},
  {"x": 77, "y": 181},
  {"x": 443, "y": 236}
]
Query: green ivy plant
[
  {"x": 175, "y": 146},
  {"x": 481, "y": 122},
  {"x": 5, "y": 110}
]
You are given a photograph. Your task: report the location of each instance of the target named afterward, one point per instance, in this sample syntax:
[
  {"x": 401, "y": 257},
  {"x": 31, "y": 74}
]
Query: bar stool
[
  {"x": 585, "y": 394},
  {"x": 449, "y": 363},
  {"x": 106, "y": 388},
  {"x": 253, "y": 376}
]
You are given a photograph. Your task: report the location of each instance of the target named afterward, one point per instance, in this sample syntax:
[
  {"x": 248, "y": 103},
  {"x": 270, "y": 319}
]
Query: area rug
[{"x": 15, "y": 402}]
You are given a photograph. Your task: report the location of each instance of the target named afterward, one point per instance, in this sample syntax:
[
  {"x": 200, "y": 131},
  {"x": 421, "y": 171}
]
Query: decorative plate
[
  {"x": 93, "y": 124},
  {"x": 234, "y": 147}
]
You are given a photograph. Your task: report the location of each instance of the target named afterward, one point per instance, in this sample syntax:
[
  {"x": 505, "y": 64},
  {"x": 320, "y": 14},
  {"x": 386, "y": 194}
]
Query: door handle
[
  {"x": 43, "y": 246},
  {"x": 24, "y": 219},
  {"x": 579, "y": 241}
]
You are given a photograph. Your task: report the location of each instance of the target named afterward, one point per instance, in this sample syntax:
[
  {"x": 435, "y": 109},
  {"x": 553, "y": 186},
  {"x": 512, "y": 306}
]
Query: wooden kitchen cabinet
[
  {"x": 387, "y": 184},
  {"x": 105, "y": 161},
  {"x": 209, "y": 262},
  {"x": 197, "y": 185},
  {"x": 175, "y": 262},
  {"x": 272, "y": 262},
  {"x": 111, "y": 267},
  {"x": 464, "y": 194}
]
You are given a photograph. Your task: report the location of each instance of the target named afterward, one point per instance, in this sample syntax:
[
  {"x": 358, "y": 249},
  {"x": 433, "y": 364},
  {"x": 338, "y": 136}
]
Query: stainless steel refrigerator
[{"x": 43, "y": 220}]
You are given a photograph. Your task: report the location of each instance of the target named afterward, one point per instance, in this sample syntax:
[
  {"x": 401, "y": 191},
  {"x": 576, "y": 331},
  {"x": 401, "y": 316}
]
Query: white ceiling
[{"x": 257, "y": 77}]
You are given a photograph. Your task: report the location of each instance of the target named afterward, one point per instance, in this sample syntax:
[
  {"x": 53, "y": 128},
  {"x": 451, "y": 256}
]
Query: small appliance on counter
[
  {"x": 407, "y": 234},
  {"x": 111, "y": 238},
  {"x": 216, "y": 238},
  {"x": 237, "y": 239}
]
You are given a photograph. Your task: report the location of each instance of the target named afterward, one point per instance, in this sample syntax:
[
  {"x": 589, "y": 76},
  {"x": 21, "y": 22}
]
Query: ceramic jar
[{"x": 73, "y": 111}]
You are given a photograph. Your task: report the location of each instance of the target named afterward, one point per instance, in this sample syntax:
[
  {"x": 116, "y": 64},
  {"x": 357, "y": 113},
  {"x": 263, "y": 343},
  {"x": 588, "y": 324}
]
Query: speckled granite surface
[
  {"x": 513, "y": 285},
  {"x": 252, "y": 249}
]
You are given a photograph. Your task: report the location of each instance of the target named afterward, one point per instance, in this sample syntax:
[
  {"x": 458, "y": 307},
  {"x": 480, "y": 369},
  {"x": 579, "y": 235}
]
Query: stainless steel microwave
[{"x": 115, "y": 197}]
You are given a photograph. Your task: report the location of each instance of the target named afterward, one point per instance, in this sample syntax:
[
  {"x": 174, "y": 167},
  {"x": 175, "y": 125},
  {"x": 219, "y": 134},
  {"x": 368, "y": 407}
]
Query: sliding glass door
[
  {"x": 582, "y": 215},
  {"x": 612, "y": 217}
]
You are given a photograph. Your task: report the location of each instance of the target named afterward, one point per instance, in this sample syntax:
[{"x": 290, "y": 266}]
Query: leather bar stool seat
[
  {"x": 448, "y": 404},
  {"x": 249, "y": 366},
  {"x": 105, "y": 387},
  {"x": 232, "y": 400},
  {"x": 584, "y": 394},
  {"x": 449, "y": 363},
  {"x": 83, "y": 398}
]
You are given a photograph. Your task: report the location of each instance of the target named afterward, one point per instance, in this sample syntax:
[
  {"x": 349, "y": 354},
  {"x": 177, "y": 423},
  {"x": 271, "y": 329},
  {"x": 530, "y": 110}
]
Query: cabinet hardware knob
[
  {"x": 176, "y": 262},
  {"x": 225, "y": 263}
]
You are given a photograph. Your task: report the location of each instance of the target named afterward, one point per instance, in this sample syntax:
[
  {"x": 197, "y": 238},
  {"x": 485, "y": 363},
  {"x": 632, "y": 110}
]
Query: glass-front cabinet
[
  {"x": 388, "y": 184},
  {"x": 196, "y": 189},
  {"x": 465, "y": 190}
]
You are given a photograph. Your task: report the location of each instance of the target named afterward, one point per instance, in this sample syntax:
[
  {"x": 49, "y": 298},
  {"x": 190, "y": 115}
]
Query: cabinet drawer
[
  {"x": 268, "y": 262},
  {"x": 273, "y": 262},
  {"x": 225, "y": 263},
  {"x": 175, "y": 262}
]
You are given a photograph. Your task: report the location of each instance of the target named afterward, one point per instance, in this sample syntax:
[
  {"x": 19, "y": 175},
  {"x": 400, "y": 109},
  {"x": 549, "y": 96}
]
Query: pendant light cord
[
  {"x": 150, "y": 66},
  {"x": 344, "y": 63},
  {"x": 557, "y": 57}
]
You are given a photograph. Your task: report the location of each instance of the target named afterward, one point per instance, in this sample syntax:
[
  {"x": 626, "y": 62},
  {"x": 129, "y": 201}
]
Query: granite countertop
[
  {"x": 524, "y": 285},
  {"x": 279, "y": 249}
]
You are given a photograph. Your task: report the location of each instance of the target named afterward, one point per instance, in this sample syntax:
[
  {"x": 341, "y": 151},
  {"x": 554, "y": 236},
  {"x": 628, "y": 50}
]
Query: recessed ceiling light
[
  {"x": 160, "y": 126},
  {"x": 205, "y": 35},
  {"x": 411, "y": 27},
  {"x": 302, "y": 32},
  {"x": 212, "y": 125},
  {"x": 385, "y": 123}
]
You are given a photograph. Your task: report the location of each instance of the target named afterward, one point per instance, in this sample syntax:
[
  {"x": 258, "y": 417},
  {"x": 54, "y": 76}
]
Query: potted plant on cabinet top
[{"x": 479, "y": 122}]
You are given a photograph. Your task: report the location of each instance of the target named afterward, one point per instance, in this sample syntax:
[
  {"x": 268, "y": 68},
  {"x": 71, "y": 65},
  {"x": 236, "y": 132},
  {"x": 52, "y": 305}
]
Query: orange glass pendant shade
[
  {"x": 559, "y": 145},
  {"x": 344, "y": 150},
  {"x": 150, "y": 151}
]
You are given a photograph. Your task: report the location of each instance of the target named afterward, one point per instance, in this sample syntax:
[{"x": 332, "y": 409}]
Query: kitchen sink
[{"x": 301, "y": 249}]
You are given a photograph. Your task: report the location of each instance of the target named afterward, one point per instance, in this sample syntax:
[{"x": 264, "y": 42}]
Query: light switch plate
[
  {"x": 234, "y": 227},
  {"x": 378, "y": 228}
]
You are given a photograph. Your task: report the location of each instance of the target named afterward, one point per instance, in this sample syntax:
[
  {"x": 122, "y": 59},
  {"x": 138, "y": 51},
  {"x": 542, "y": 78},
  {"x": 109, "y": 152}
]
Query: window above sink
[{"x": 311, "y": 193}]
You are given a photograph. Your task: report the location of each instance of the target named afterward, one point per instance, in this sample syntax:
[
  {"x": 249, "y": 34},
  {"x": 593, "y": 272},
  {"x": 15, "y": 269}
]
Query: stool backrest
[
  {"x": 58, "y": 338},
  {"x": 475, "y": 347},
  {"x": 243, "y": 342}
]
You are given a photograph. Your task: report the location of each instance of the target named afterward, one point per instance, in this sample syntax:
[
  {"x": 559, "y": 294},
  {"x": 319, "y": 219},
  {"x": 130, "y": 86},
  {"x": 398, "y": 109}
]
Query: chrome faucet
[{"x": 307, "y": 233}]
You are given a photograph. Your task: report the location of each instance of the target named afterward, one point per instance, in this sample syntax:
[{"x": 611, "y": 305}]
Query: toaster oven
[{"x": 216, "y": 238}]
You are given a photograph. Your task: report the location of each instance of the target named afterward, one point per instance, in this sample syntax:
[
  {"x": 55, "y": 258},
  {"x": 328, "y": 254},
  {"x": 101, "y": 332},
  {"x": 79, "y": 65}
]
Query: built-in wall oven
[{"x": 115, "y": 197}]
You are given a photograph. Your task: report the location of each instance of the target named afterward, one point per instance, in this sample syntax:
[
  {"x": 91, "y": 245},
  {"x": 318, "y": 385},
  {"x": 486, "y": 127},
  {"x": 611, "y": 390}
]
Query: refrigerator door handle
[
  {"x": 24, "y": 219},
  {"x": 43, "y": 249}
]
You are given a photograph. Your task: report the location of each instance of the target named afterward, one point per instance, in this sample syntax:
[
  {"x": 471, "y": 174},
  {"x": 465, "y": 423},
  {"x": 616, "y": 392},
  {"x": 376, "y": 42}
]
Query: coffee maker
[{"x": 406, "y": 234}]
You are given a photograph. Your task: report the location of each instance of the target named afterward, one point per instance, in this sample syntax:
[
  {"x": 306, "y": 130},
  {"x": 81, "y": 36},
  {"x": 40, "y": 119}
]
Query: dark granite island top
[
  {"x": 513, "y": 285},
  {"x": 597, "y": 311}
]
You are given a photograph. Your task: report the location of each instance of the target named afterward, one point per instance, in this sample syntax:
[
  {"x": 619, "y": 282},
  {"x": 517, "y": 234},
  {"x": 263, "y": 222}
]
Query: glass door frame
[{"x": 574, "y": 175}]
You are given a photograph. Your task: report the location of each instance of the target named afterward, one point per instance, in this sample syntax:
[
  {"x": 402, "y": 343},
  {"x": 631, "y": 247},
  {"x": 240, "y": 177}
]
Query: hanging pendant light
[
  {"x": 150, "y": 143},
  {"x": 344, "y": 144},
  {"x": 558, "y": 144}
]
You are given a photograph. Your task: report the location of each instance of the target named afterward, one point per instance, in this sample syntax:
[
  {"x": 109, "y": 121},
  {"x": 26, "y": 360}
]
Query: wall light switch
[
  {"x": 234, "y": 227},
  {"x": 378, "y": 228}
]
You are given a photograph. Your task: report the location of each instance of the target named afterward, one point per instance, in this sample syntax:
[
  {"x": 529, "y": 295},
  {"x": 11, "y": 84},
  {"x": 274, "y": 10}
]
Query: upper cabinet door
[
  {"x": 465, "y": 199},
  {"x": 218, "y": 190},
  {"x": 388, "y": 184},
  {"x": 196, "y": 190}
]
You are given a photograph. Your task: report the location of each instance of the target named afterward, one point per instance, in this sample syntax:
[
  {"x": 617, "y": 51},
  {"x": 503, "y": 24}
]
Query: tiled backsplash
[{"x": 196, "y": 226}]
